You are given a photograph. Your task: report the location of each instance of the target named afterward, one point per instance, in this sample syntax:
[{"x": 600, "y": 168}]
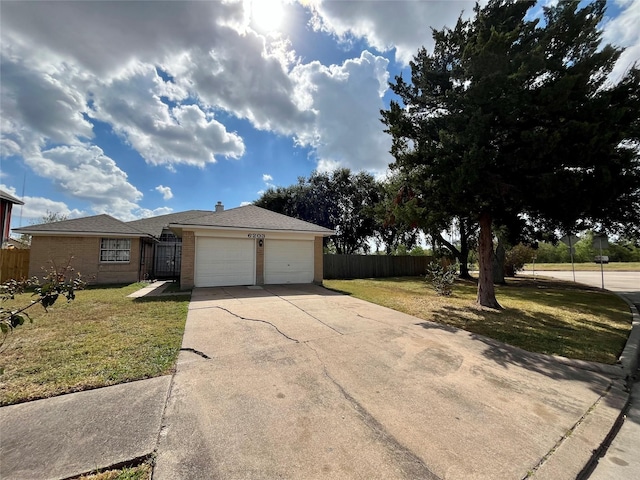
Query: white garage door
[
  {"x": 288, "y": 261},
  {"x": 225, "y": 262}
]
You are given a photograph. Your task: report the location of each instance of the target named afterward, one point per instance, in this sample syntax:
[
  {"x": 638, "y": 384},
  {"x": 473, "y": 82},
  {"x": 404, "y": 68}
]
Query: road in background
[{"x": 619, "y": 282}]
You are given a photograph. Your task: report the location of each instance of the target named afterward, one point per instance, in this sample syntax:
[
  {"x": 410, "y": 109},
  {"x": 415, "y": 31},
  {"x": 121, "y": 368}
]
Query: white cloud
[
  {"x": 623, "y": 31},
  {"x": 404, "y": 25},
  {"x": 267, "y": 178},
  {"x": 85, "y": 173},
  {"x": 35, "y": 208},
  {"x": 182, "y": 134},
  {"x": 242, "y": 78},
  {"x": 347, "y": 100},
  {"x": 37, "y": 106},
  {"x": 166, "y": 192},
  {"x": 103, "y": 37}
]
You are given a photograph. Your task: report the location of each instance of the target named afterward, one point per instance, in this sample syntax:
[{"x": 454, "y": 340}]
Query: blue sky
[{"x": 138, "y": 109}]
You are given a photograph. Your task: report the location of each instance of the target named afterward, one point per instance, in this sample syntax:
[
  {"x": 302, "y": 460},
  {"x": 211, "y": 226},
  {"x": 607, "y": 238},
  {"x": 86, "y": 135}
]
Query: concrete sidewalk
[
  {"x": 69, "y": 435},
  {"x": 619, "y": 459}
]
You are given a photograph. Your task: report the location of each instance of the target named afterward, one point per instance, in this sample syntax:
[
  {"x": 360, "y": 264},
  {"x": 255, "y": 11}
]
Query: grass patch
[
  {"x": 140, "y": 472},
  {"x": 101, "y": 338},
  {"x": 544, "y": 316},
  {"x": 585, "y": 267}
]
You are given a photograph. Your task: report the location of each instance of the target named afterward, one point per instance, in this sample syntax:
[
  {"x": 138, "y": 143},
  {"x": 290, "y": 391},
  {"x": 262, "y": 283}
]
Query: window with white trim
[{"x": 115, "y": 249}]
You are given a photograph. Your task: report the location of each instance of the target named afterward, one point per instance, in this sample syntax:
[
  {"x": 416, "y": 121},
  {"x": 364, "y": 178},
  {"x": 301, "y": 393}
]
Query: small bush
[
  {"x": 441, "y": 278},
  {"x": 516, "y": 258}
]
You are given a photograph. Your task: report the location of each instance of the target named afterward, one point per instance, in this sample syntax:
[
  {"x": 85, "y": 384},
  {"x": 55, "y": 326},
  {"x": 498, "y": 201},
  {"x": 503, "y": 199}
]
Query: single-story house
[{"x": 241, "y": 246}]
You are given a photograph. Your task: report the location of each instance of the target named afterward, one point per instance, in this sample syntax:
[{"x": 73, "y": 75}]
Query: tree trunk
[
  {"x": 486, "y": 291},
  {"x": 464, "y": 250},
  {"x": 498, "y": 263}
]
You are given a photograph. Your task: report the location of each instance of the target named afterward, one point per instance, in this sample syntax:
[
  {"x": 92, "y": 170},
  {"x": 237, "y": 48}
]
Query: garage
[
  {"x": 225, "y": 262},
  {"x": 248, "y": 245},
  {"x": 288, "y": 261}
]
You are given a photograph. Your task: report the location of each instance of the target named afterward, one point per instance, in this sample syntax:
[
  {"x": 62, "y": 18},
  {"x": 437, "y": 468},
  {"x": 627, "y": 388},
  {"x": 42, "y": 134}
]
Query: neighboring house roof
[
  {"x": 10, "y": 198},
  {"x": 155, "y": 225},
  {"x": 251, "y": 217},
  {"x": 95, "y": 225}
]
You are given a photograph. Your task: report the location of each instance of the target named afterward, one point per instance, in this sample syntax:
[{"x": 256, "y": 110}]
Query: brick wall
[
  {"x": 318, "y": 260},
  {"x": 187, "y": 267},
  {"x": 260, "y": 262},
  {"x": 86, "y": 259}
]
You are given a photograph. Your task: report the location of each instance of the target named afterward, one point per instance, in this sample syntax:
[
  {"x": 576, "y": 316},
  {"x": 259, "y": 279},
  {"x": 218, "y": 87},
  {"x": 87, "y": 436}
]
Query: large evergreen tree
[{"x": 513, "y": 117}]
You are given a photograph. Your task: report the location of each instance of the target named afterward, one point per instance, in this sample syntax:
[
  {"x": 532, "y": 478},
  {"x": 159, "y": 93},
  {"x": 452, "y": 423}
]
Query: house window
[{"x": 115, "y": 249}]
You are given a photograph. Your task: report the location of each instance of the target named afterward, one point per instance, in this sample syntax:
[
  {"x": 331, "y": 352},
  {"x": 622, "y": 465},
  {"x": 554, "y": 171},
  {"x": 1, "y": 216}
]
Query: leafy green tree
[
  {"x": 392, "y": 229},
  {"x": 510, "y": 116},
  {"x": 341, "y": 200}
]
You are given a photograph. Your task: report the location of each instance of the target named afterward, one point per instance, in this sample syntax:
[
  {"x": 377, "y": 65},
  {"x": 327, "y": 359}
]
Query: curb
[{"x": 629, "y": 357}]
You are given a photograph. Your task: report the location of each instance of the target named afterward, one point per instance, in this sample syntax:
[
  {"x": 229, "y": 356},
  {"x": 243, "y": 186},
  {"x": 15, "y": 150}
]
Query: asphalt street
[{"x": 619, "y": 282}]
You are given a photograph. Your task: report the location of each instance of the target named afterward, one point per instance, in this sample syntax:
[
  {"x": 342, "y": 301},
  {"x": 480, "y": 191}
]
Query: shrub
[
  {"x": 441, "y": 278},
  {"x": 516, "y": 258}
]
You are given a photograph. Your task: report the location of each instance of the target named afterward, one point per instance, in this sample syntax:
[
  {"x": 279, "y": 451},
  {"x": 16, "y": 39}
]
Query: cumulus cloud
[
  {"x": 35, "y": 208},
  {"x": 347, "y": 100},
  {"x": 105, "y": 37},
  {"x": 166, "y": 192},
  {"x": 266, "y": 177},
  {"x": 85, "y": 173},
  {"x": 38, "y": 106},
  {"x": 185, "y": 134},
  {"x": 403, "y": 25},
  {"x": 241, "y": 77},
  {"x": 623, "y": 31}
]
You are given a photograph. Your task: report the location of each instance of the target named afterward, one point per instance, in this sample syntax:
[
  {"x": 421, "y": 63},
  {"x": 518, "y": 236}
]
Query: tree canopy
[
  {"x": 340, "y": 200},
  {"x": 513, "y": 117}
]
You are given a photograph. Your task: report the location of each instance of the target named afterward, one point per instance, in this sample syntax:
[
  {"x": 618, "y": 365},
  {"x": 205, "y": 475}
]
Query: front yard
[
  {"x": 544, "y": 316},
  {"x": 104, "y": 338},
  {"x": 101, "y": 338}
]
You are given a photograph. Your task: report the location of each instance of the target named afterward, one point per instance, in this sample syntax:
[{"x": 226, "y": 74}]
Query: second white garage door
[
  {"x": 225, "y": 262},
  {"x": 288, "y": 261}
]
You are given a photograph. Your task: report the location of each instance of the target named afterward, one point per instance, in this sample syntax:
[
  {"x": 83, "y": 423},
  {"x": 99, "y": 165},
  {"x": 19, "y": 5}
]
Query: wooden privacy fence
[
  {"x": 14, "y": 264},
  {"x": 374, "y": 266}
]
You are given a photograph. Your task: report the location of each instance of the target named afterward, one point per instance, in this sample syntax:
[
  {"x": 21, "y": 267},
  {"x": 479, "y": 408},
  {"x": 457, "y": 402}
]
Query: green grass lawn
[
  {"x": 544, "y": 316},
  {"x": 585, "y": 267},
  {"x": 140, "y": 472},
  {"x": 101, "y": 338}
]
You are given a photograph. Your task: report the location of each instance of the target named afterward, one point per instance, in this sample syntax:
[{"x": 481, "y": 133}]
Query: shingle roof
[
  {"x": 97, "y": 224},
  {"x": 154, "y": 225},
  {"x": 247, "y": 217},
  {"x": 10, "y": 198},
  {"x": 252, "y": 217}
]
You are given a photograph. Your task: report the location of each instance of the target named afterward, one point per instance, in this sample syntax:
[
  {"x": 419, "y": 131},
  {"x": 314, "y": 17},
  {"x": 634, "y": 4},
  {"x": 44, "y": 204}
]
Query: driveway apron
[{"x": 299, "y": 382}]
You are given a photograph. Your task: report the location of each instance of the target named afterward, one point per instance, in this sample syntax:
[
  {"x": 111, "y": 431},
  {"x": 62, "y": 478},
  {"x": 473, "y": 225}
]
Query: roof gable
[
  {"x": 96, "y": 224},
  {"x": 252, "y": 217},
  {"x": 154, "y": 225}
]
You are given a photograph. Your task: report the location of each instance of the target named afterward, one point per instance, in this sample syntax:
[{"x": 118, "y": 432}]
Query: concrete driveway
[{"x": 299, "y": 382}]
